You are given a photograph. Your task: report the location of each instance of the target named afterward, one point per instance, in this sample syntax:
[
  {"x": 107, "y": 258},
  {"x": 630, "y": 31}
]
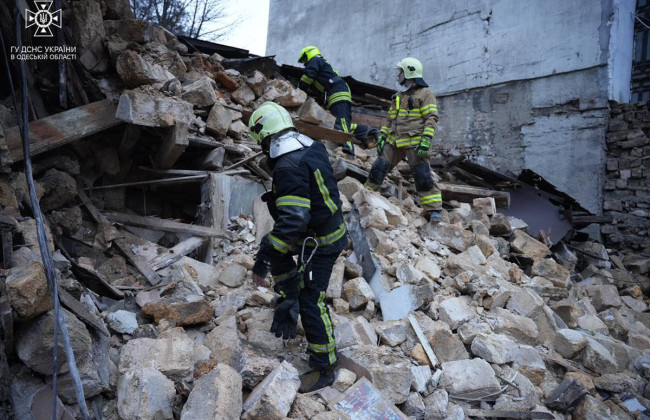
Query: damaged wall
[
  {"x": 497, "y": 92},
  {"x": 628, "y": 170}
]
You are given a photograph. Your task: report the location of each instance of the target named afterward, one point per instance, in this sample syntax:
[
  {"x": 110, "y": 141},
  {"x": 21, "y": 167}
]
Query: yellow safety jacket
[{"x": 412, "y": 114}]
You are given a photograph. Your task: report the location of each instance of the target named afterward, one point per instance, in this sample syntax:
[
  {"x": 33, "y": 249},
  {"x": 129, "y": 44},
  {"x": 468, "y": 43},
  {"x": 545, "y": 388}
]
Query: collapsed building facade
[{"x": 150, "y": 188}]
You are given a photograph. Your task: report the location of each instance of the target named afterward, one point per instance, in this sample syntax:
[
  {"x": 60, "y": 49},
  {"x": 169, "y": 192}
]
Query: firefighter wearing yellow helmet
[
  {"x": 304, "y": 202},
  {"x": 321, "y": 80},
  {"x": 412, "y": 123}
]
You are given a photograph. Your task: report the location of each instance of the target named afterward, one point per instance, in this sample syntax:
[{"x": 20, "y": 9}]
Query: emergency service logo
[{"x": 43, "y": 18}]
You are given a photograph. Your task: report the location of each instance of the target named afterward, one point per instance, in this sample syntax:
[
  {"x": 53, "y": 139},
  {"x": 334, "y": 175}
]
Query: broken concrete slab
[
  {"x": 200, "y": 93},
  {"x": 145, "y": 393},
  {"x": 389, "y": 373},
  {"x": 152, "y": 109},
  {"x": 215, "y": 395},
  {"x": 272, "y": 398},
  {"x": 457, "y": 311},
  {"x": 172, "y": 353},
  {"x": 473, "y": 376},
  {"x": 495, "y": 348}
]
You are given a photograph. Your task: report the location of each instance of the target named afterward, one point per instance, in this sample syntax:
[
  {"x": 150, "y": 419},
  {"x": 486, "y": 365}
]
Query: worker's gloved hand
[
  {"x": 289, "y": 288},
  {"x": 381, "y": 142},
  {"x": 285, "y": 319},
  {"x": 423, "y": 148},
  {"x": 260, "y": 270}
]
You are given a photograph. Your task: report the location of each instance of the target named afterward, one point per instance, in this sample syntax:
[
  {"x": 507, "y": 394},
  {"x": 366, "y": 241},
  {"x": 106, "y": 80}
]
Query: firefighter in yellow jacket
[{"x": 413, "y": 118}]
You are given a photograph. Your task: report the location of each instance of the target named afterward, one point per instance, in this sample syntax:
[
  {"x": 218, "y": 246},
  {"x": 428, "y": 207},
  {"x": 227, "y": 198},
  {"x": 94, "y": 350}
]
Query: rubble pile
[
  {"x": 472, "y": 317},
  {"x": 626, "y": 190}
]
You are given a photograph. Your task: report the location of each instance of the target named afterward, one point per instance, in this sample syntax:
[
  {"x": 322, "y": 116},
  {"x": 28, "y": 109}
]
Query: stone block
[
  {"x": 494, "y": 348},
  {"x": 518, "y": 327},
  {"x": 468, "y": 376},
  {"x": 190, "y": 310},
  {"x": 123, "y": 322},
  {"x": 428, "y": 267},
  {"x": 219, "y": 120},
  {"x": 500, "y": 225},
  {"x": 357, "y": 331},
  {"x": 152, "y": 109},
  {"x": 485, "y": 205},
  {"x": 200, "y": 93},
  {"x": 530, "y": 364},
  {"x": 227, "y": 80},
  {"x": 216, "y": 395},
  {"x": 452, "y": 236},
  {"x": 471, "y": 259},
  {"x": 231, "y": 274},
  {"x": 311, "y": 112},
  {"x": 550, "y": 270},
  {"x": 592, "y": 324},
  {"x": 597, "y": 358},
  {"x": 357, "y": 292},
  {"x": 344, "y": 380},
  {"x": 569, "y": 343},
  {"x": 272, "y": 398},
  {"x": 389, "y": 373},
  {"x": 27, "y": 289},
  {"x": 604, "y": 297},
  {"x": 257, "y": 82},
  {"x": 421, "y": 378},
  {"x": 135, "y": 71},
  {"x": 471, "y": 329},
  {"x": 253, "y": 364},
  {"x": 523, "y": 301},
  {"x": 172, "y": 354},
  {"x": 145, "y": 394},
  {"x": 244, "y": 95},
  {"x": 34, "y": 343},
  {"x": 447, "y": 346},
  {"x": 392, "y": 333},
  {"x": 335, "y": 287},
  {"x": 525, "y": 244},
  {"x": 616, "y": 383},
  {"x": 59, "y": 187},
  {"x": 456, "y": 311},
  {"x": 375, "y": 201}
]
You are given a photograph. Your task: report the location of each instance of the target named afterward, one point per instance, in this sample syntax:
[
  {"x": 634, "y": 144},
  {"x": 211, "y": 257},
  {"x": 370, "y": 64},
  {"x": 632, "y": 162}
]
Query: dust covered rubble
[{"x": 510, "y": 318}]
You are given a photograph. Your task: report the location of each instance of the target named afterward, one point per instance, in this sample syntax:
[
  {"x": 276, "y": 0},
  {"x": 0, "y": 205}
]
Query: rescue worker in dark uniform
[
  {"x": 305, "y": 204},
  {"x": 321, "y": 79},
  {"x": 412, "y": 122}
]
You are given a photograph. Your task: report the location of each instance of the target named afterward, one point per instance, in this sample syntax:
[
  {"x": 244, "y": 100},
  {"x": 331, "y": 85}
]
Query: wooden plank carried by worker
[
  {"x": 59, "y": 129},
  {"x": 467, "y": 194},
  {"x": 164, "y": 225},
  {"x": 323, "y": 133}
]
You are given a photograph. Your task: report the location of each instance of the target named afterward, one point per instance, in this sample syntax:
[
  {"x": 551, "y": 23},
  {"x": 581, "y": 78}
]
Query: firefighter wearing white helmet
[
  {"x": 412, "y": 123},
  {"x": 304, "y": 202}
]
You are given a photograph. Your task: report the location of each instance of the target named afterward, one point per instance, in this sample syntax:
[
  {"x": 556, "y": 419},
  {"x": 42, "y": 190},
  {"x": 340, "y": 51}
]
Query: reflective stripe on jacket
[{"x": 412, "y": 114}]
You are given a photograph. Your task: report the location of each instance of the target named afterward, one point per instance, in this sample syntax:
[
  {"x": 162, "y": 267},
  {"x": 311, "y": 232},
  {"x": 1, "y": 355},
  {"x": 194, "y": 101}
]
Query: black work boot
[
  {"x": 435, "y": 217},
  {"x": 348, "y": 148},
  {"x": 317, "y": 379}
]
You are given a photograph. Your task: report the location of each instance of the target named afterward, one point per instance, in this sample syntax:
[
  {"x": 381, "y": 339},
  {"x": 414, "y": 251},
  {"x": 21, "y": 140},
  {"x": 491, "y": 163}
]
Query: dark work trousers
[
  {"x": 342, "y": 110},
  {"x": 314, "y": 313}
]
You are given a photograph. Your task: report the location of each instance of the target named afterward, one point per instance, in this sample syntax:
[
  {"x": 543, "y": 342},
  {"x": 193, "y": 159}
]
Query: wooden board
[
  {"x": 466, "y": 194},
  {"x": 176, "y": 253},
  {"x": 322, "y": 133},
  {"x": 164, "y": 225},
  {"x": 59, "y": 129}
]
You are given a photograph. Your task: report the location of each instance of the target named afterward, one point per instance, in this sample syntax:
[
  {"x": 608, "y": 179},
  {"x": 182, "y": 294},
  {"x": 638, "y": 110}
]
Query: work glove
[
  {"x": 381, "y": 142},
  {"x": 260, "y": 269},
  {"x": 289, "y": 288},
  {"x": 285, "y": 319},
  {"x": 423, "y": 148}
]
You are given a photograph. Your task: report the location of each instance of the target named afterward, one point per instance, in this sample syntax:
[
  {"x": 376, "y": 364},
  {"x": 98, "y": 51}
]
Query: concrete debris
[
  {"x": 474, "y": 313},
  {"x": 272, "y": 398}
]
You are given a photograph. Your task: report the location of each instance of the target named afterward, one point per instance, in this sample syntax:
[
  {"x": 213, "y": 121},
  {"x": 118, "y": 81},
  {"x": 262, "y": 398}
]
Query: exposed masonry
[{"x": 626, "y": 196}]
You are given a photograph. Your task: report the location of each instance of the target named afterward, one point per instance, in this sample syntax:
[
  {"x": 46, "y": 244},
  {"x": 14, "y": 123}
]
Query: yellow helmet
[
  {"x": 308, "y": 53},
  {"x": 268, "y": 119}
]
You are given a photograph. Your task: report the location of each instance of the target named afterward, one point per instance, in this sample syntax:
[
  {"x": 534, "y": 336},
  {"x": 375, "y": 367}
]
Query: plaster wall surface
[{"x": 522, "y": 84}]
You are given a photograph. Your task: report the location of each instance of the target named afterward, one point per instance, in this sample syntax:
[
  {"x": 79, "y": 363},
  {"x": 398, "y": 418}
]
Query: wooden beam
[
  {"x": 81, "y": 312},
  {"x": 508, "y": 414},
  {"x": 59, "y": 129},
  {"x": 323, "y": 133},
  {"x": 7, "y": 245},
  {"x": 190, "y": 172},
  {"x": 165, "y": 225},
  {"x": 466, "y": 194},
  {"x": 175, "y": 141},
  {"x": 138, "y": 262},
  {"x": 243, "y": 161},
  {"x": 423, "y": 340},
  {"x": 166, "y": 181},
  {"x": 176, "y": 253}
]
